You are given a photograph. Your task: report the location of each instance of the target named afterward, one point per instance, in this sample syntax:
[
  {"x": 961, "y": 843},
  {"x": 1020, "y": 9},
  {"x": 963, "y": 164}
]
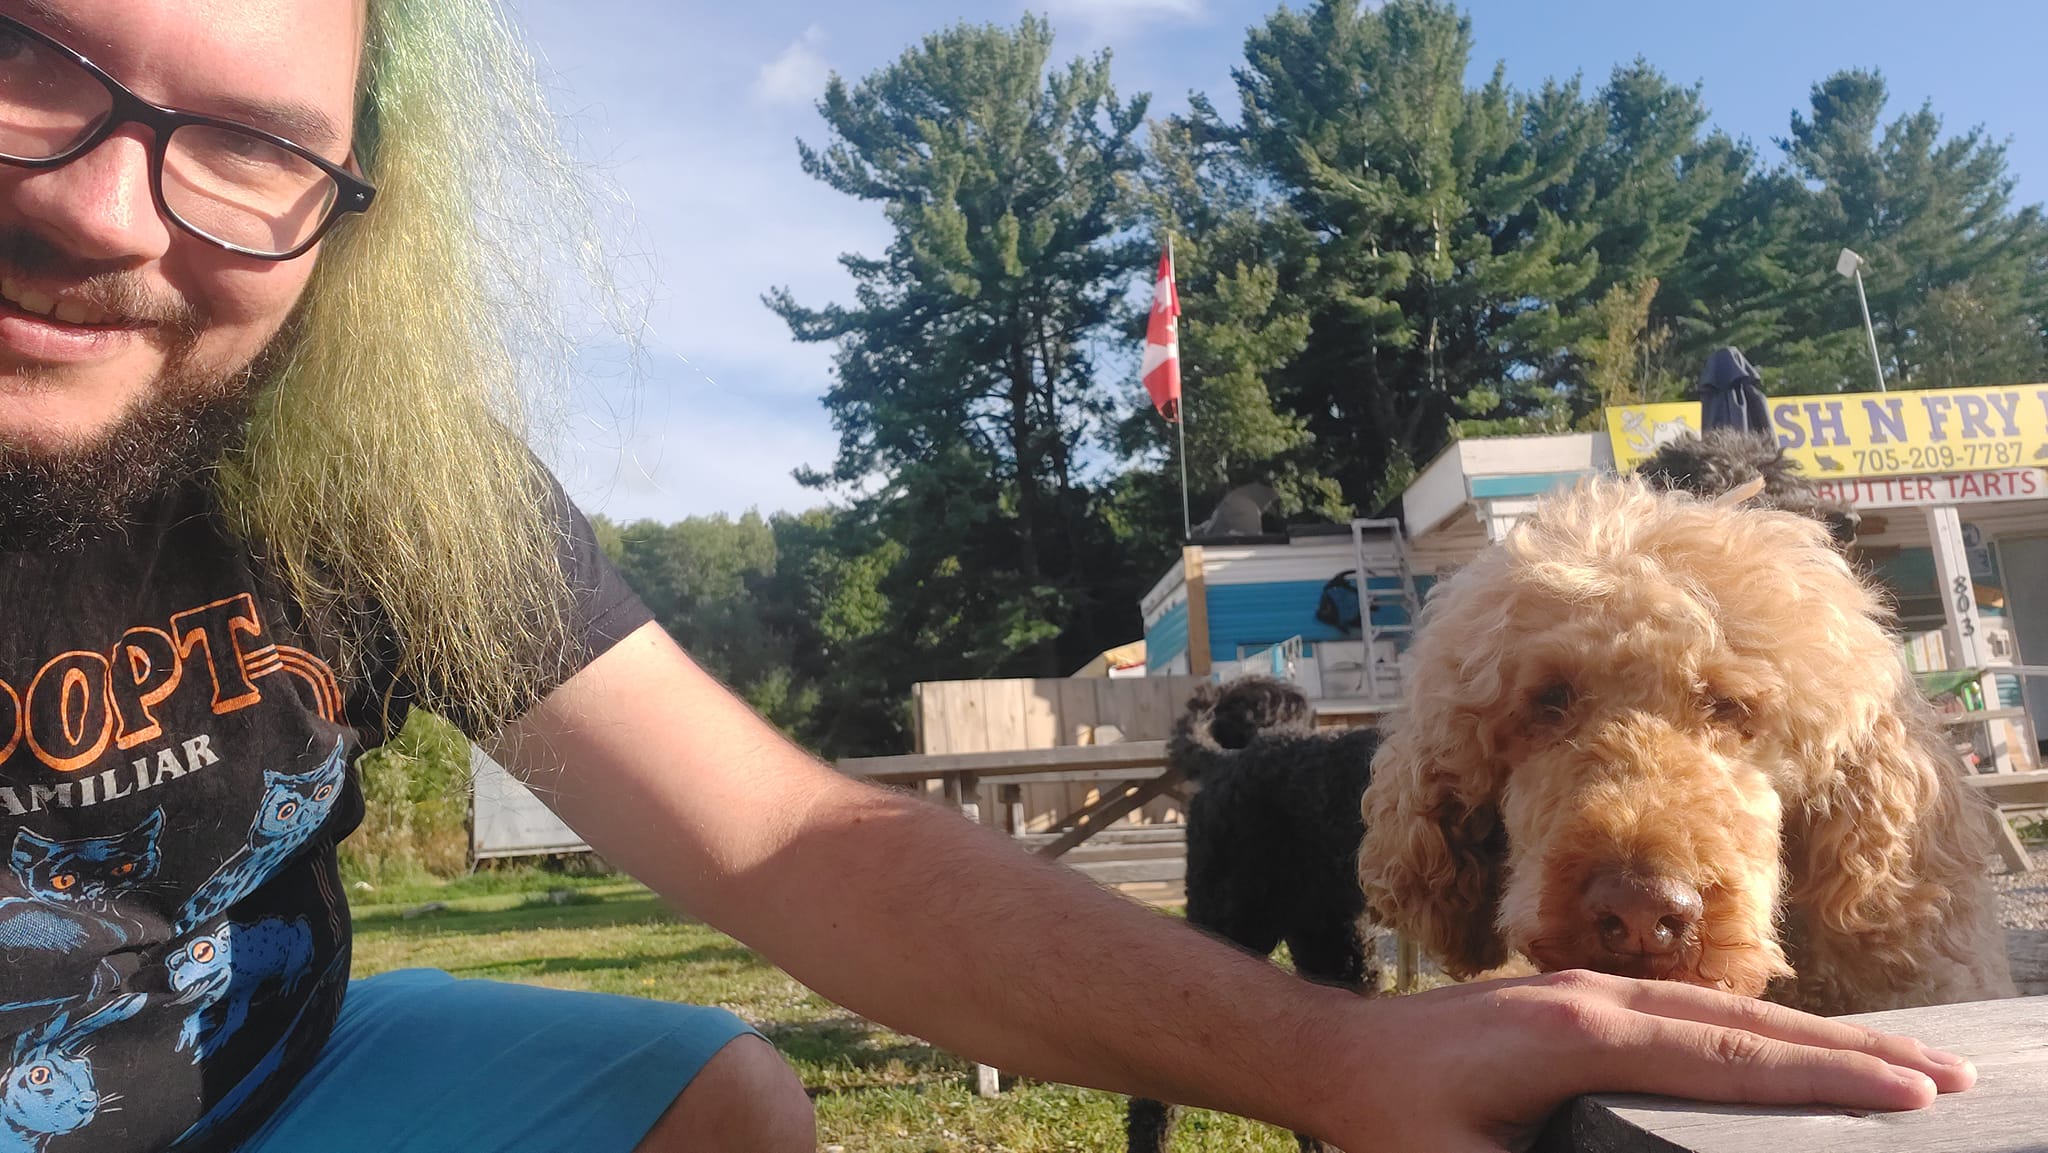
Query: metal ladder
[{"x": 1379, "y": 550}]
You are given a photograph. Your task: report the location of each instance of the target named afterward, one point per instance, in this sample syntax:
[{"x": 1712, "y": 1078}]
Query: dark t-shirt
[{"x": 175, "y": 772}]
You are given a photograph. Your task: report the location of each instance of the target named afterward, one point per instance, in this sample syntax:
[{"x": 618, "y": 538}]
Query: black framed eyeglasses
[{"x": 229, "y": 184}]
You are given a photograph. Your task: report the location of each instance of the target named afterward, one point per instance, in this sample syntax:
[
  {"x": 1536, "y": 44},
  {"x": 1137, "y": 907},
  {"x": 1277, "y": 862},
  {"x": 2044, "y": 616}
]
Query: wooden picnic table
[
  {"x": 2008, "y": 1041},
  {"x": 1135, "y": 771},
  {"x": 1142, "y": 757},
  {"x": 2009, "y": 791}
]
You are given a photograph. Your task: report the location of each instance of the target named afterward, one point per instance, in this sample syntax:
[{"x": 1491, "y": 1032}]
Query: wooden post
[
  {"x": 970, "y": 799},
  {"x": 917, "y": 706},
  {"x": 2011, "y": 849},
  {"x": 1198, "y": 610},
  {"x": 1014, "y": 820},
  {"x": 1965, "y": 627}
]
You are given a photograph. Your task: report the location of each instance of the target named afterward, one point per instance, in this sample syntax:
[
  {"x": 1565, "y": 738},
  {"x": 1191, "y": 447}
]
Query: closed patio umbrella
[{"x": 1730, "y": 396}]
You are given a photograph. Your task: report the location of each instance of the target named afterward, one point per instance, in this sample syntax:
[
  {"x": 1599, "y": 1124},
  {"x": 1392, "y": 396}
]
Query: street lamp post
[{"x": 1851, "y": 265}]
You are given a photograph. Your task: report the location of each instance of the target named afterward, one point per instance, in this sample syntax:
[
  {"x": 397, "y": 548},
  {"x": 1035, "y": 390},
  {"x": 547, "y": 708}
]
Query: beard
[
  {"x": 187, "y": 419},
  {"x": 53, "y": 498}
]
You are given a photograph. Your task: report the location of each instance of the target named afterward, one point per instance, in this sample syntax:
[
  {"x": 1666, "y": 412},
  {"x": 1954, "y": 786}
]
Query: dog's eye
[
  {"x": 1553, "y": 702},
  {"x": 1728, "y": 711}
]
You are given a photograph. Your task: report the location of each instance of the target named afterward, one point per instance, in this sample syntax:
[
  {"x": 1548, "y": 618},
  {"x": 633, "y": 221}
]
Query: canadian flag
[{"x": 1161, "y": 369}]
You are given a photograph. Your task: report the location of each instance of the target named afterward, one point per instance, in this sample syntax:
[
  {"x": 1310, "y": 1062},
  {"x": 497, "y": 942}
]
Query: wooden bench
[
  {"x": 1136, "y": 770},
  {"x": 2008, "y": 1041}
]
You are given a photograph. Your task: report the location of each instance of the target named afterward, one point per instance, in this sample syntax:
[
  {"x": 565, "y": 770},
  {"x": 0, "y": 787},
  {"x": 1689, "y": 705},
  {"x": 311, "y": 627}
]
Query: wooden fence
[{"x": 1003, "y": 715}]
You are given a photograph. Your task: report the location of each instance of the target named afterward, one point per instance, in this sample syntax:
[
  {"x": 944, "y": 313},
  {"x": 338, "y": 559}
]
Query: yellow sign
[{"x": 1861, "y": 434}]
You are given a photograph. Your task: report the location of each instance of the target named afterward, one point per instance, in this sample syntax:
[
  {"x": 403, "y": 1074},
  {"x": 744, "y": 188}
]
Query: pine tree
[
  {"x": 1957, "y": 277},
  {"x": 1658, "y": 183},
  {"x": 1438, "y": 262},
  {"x": 966, "y": 361}
]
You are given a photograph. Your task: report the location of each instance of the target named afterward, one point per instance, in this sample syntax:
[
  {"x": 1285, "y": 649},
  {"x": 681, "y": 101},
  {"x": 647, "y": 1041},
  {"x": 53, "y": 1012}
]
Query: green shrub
[{"x": 416, "y": 806}]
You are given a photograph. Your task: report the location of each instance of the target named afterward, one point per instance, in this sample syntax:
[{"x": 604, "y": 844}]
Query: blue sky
[{"x": 693, "y": 108}]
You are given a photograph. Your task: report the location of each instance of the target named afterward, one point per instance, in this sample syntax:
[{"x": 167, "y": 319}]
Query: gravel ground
[
  {"x": 2023, "y": 906},
  {"x": 2023, "y": 897}
]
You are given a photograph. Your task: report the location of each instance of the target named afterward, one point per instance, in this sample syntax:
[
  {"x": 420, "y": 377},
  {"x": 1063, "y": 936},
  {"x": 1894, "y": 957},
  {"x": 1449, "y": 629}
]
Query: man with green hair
[{"x": 268, "y": 346}]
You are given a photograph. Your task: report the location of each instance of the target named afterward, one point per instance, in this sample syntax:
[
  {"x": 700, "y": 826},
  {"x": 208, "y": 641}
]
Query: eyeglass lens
[{"x": 230, "y": 186}]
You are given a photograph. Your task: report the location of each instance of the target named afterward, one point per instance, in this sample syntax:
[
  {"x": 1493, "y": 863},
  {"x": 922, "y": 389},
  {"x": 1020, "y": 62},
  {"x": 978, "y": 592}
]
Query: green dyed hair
[{"x": 386, "y": 478}]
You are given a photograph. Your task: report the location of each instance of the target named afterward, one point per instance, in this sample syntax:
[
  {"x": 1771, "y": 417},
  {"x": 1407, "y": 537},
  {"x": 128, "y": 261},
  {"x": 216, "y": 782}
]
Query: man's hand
[{"x": 1476, "y": 1068}]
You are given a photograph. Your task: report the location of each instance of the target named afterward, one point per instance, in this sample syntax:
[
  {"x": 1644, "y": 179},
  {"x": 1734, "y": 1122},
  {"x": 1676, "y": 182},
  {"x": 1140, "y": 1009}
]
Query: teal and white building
[{"x": 1250, "y": 604}]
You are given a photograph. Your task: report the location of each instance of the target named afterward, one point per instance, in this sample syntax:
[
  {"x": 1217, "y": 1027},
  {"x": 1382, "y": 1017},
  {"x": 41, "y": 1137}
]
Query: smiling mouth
[{"x": 64, "y": 310}]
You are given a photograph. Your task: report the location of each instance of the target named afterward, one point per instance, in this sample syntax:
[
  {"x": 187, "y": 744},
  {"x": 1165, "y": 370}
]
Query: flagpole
[
  {"x": 1187, "y": 524},
  {"x": 1180, "y": 414}
]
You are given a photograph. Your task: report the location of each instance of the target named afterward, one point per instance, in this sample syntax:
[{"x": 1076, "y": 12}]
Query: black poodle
[
  {"x": 1273, "y": 837},
  {"x": 1720, "y": 460}
]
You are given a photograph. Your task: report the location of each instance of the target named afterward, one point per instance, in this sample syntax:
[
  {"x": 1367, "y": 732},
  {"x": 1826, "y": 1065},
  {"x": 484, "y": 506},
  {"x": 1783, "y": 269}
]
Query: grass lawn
[{"x": 876, "y": 1091}]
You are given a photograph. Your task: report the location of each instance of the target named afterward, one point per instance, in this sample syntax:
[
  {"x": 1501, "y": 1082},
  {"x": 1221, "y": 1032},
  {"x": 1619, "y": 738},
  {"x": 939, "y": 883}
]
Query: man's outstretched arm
[{"x": 917, "y": 919}]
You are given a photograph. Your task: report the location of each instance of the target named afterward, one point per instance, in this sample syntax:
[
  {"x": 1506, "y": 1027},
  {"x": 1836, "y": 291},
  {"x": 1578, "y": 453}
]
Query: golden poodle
[{"x": 1659, "y": 736}]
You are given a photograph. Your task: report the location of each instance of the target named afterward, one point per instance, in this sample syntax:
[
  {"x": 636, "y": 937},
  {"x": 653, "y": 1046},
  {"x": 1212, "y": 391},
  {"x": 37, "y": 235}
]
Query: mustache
[{"x": 119, "y": 292}]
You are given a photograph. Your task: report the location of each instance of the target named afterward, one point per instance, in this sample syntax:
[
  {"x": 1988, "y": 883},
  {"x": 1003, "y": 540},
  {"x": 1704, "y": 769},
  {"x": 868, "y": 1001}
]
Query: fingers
[
  {"x": 1669, "y": 999},
  {"x": 1662, "y": 1037},
  {"x": 1682, "y": 1058}
]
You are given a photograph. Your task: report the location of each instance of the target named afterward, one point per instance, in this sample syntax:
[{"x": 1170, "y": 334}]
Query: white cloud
[
  {"x": 1122, "y": 15},
  {"x": 797, "y": 76}
]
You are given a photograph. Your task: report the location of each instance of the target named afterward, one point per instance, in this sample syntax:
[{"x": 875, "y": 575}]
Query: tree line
[{"x": 1374, "y": 254}]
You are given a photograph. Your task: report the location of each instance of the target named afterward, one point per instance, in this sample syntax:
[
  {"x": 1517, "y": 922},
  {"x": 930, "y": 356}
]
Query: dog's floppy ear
[
  {"x": 1887, "y": 839},
  {"x": 1434, "y": 859},
  {"x": 1433, "y": 856}
]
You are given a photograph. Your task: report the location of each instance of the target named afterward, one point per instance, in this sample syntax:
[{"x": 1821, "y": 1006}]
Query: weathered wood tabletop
[{"x": 2006, "y": 1113}]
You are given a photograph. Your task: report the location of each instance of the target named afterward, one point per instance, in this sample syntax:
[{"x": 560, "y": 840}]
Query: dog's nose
[{"x": 1644, "y": 916}]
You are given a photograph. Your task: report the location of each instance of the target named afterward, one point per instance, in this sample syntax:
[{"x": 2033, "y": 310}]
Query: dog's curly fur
[
  {"x": 1273, "y": 839},
  {"x": 1724, "y": 459},
  {"x": 1226, "y": 718},
  {"x": 1656, "y": 684}
]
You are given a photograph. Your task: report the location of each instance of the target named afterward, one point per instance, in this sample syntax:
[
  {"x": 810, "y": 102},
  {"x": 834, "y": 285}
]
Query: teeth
[
  {"x": 43, "y": 304},
  {"x": 39, "y": 303}
]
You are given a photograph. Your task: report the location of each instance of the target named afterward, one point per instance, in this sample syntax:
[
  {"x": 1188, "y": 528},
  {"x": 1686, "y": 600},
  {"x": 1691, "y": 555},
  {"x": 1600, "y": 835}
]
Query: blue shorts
[{"x": 420, "y": 1062}]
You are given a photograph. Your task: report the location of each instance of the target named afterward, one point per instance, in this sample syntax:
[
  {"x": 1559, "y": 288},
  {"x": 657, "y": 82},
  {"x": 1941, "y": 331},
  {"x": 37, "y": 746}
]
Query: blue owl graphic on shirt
[{"x": 294, "y": 807}]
